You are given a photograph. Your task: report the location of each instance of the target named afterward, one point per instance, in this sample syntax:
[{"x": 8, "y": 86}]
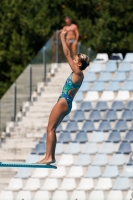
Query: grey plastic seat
[
  {"x": 104, "y": 126},
  {"x": 127, "y": 171},
  {"x": 100, "y": 160},
  {"x": 66, "y": 118},
  {"x": 32, "y": 158},
  {"x": 131, "y": 160},
  {"x": 81, "y": 137},
  {"x": 83, "y": 160},
  {"x": 129, "y": 136},
  {"x": 86, "y": 106},
  {"x": 118, "y": 159},
  {"x": 73, "y": 148},
  {"x": 79, "y": 116},
  {"x": 130, "y": 78},
  {"x": 114, "y": 136},
  {"x": 90, "y": 148},
  {"x": 121, "y": 125},
  {"x": 98, "y": 86},
  {"x": 125, "y": 67},
  {"x": 93, "y": 172},
  {"x": 72, "y": 126},
  {"x": 130, "y": 105},
  {"x": 105, "y": 77},
  {"x": 127, "y": 115},
  {"x": 64, "y": 137},
  {"x": 84, "y": 87},
  {"x": 117, "y": 105},
  {"x": 90, "y": 77},
  {"x": 59, "y": 149},
  {"x": 113, "y": 86},
  {"x": 119, "y": 76},
  {"x": 78, "y": 97},
  {"x": 96, "y": 67},
  {"x": 59, "y": 128},
  {"x": 107, "y": 148},
  {"x": 23, "y": 173},
  {"x": 128, "y": 57},
  {"x": 95, "y": 116},
  {"x": 121, "y": 184},
  {"x": 40, "y": 149},
  {"x": 101, "y": 106},
  {"x": 43, "y": 139},
  {"x": 97, "y": 137},
  {"x": 111, "y": 115},
  {"x": 111, "y": 172},
  {"x": 110, "y": 67},
  {"x": 128, "y": 85},
  {"x": 88, "y": 126},
  {"x": 125, "y": 147}
]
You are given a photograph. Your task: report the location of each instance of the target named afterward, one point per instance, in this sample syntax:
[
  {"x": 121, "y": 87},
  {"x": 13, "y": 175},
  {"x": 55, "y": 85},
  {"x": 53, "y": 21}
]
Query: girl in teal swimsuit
[{"x": 64, "y": 103}]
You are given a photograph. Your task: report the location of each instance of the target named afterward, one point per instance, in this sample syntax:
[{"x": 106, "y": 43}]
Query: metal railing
[{"x": 37, "y": 71}]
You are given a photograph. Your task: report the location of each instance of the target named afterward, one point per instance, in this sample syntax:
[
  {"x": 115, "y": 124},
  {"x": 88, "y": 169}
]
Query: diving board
[{"x": 29, "y": 165}]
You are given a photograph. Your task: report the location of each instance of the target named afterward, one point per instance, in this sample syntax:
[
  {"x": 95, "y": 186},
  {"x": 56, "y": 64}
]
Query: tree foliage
[{"x": 104, "y": 25}]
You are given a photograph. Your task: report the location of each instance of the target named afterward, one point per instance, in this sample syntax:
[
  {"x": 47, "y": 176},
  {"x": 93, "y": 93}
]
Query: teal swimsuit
[{"x": 67, "y": 87}]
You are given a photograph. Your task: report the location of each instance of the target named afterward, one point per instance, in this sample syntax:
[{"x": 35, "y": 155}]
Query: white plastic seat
[
  {"x": 115, "y": 195},
  {"x": 107, "y": 148},
  {"x": 104, "y": 184},
  {"x": 75, "y": 172},
  {"x": 107, "y": 96},
  {"x": 128, "y": 57},
  {"x": 129, "y": 195},
  {"x": 26, "y": 195},
  {"x": 86, "y": 184},
  {"x": 66, "y": 160},
  {"x": 41, "y": 195},
  {"x": 50, "y": 184},
  {"x": 32, "y": 184},
  {"x": 74, "y": 106},
  {"x": 68, "y": 184},
  {"x": 96, "y": 195},
  {"x": 6, "y": 195},
  {"x": 97, "y": 137},
  {"x": 60, "y": 195},
  {"x": 123, "y": 96},
  {"x": 101, "y": 57},
  {"x": 15, "y": 184},
  {"x": 80, "y": 195},
  {"x": 91, "y": 96},
  {"x": 40, "y": 173},
  {"x": 60, "y": 172}
]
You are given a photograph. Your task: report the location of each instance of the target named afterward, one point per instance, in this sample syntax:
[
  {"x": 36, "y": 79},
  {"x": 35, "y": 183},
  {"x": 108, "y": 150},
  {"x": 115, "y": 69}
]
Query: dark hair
[
  {"x": 84, "y": 59},
  {"x": 67, "y": 17}
]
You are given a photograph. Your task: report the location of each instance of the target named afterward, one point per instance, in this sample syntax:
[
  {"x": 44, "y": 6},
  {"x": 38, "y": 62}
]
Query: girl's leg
[{"x": 57, "y": 114}]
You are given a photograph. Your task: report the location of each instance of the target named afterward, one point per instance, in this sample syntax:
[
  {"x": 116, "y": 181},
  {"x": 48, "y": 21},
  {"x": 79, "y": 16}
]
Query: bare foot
[{"x": 46, "y": 161}]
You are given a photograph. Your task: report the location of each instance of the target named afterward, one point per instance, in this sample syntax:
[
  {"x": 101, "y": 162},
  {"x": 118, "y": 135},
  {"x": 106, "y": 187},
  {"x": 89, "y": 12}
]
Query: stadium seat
[
  {"x": 75, "y": 172},
  {"x": 78, "y": 97},
  {"x": 128, "y": 85},
  {"x": 107, "y": 96},
  {"x": 118, "y": 159},
  {"x": 86, "y": 106},
  {"x": 60, "y": 172},
  {"x": 101, "y": 57},
  {"x": 90, "y": 77},
  {"x": 129, "y": 136},
  {"x": 93, "y": 172},
  {"x": 86, "y": 184},
  {"x": 104, "y": 126},
  {"x": 97, "y": 137},
  {"x": 73, "y": 148},
  {"x": 116, "y": 57},
  {"x": 125, "y": 67},
  {"x": 80, "y": 194},
  {"x": 107, "y": 148},
  {"x": 95, "y": 67},
  {"x": 100, "y": 160},
  {"x": 96, "y": 194},
  {"x": 5, "y": 195},
  {"x": 74, "y": 106},
  {"x": 50, "y": 184},
  {"x": 40, "y": 173},
  {"x": 90, "y": 148},
  {"x": 129, "y": 195},
  {"x": 121, "y": 125},
  {"x": 117, "y": 105},
  {"x": 59, "y": 128},
  {"x": 81, "y": 137},
  {"x": 113, "y": 86},
  {"x": 83, "y": 160},
  {"x": 42, "y": 194},
  {"x": 84, "y": 87},
  {"x": 131, "y": 160},
  {"x": 128, "y": 57},
  {"x": 64, "y": 137},
  {"x": 15, "y": 184},
  {"x": 125, "y": 147},
  {"x": 111, "y": 115},
  {"x": 105, "y": 77},
  {"x": 72, "y": 126},
  {"x": 114, "y": 136},
  {"x": 95, "y": 116},
  {"x": 127, "y": 171},
  {"x": 91, "y": 96},
  {"x": 88, "y": 126},
  {"x": 101, "y": 106},
  {"x": 66, "y": 160},
  {"x": 110, "y": 67},
  {"x": 98, "y": 86},
  {"x": 130, "y": 105},
  {"x": 123, "y": 96},
  {"x": 119, "y": 76},
  {"x": 59, "y": 148},
  {"x": 104, "y": 184},
  {"x": 79, "y": 116},
  {"x": 40, "y": 149},
  {"x": 32, "y": 158},
  {"x": 66, "y": 118},
  {"x": 130, "y": 78},
  {"x": 26, "y": 195},
  {"x": 32, "y": 184},
  {"x": 115, "y": 195},
  {"x": 23, "y": 173},
  {"x": 68, "y": 184},
  {"x": 121, "y": 184},
  {"x": 127, "y": 115},
  {"x": 43, "y": 139},
  {"x": 111, "y": 172},
  {"x": 59, "y": 195}
]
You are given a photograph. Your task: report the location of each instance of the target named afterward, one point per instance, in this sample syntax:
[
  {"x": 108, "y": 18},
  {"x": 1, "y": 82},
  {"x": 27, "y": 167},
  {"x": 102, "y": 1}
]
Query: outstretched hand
[{"x": 63, "y": 34}]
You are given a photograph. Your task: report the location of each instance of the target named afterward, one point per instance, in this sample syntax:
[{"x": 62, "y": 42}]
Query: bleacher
[{"x": 94, "y": 151}]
